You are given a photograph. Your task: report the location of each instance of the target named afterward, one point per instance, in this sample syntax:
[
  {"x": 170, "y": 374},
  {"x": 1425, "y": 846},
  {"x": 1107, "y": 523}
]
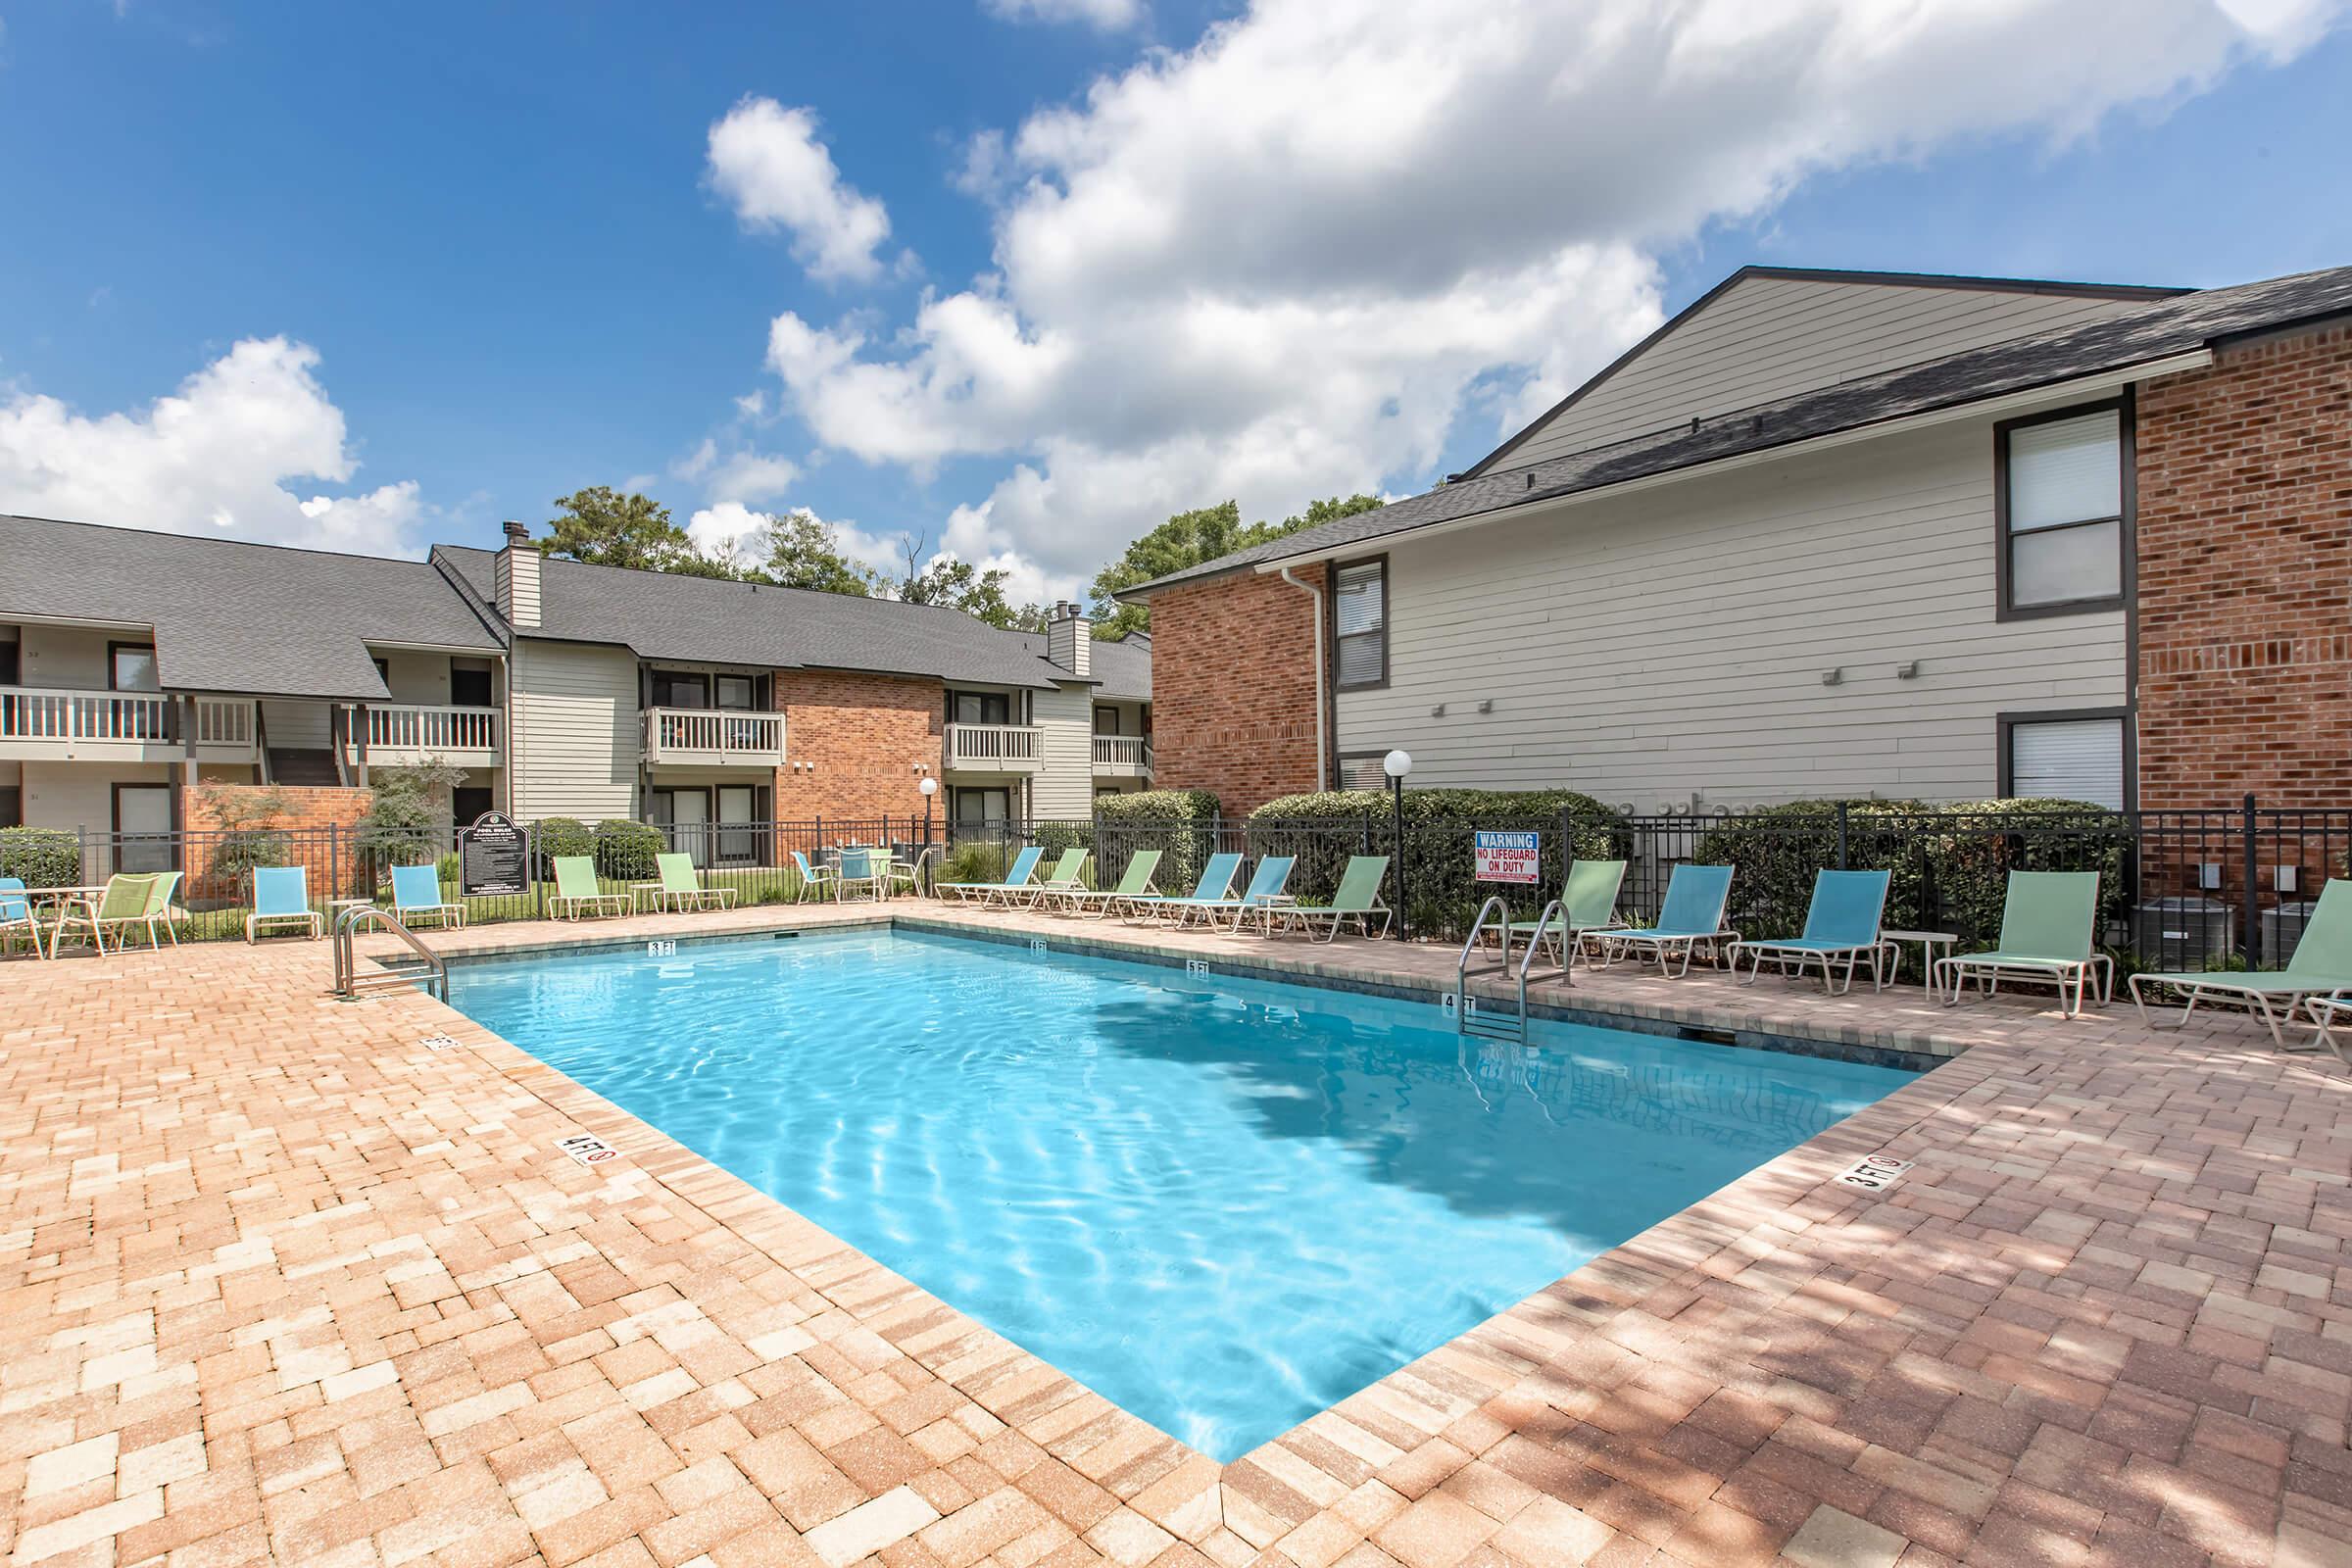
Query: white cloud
[
  {"x": 766, "y": 161},
  {"x": 740, "y": 474},
  {"x": 1108, "y": 15},
  {"x": 215, "y": 456},
  {"x": 1287, "y": 261}
]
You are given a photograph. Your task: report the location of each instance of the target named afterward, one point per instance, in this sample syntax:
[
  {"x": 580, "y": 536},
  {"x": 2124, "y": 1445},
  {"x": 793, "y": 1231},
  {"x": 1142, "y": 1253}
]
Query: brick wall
[
  {"x": 1233, "y": 688},
  {"x": 308, "y": 815},
  {"x": 2246, "y": 577},
  {"x": 865, "y": 734}
]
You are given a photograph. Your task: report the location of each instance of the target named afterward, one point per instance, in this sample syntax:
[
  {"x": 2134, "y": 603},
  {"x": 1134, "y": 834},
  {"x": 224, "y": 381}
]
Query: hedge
[
  {"x": 43, "y": 857},
  {"x": 551, "y": 836},
  {"x": 1179, "y": 823},
  {"x": 627, "y": 852}
]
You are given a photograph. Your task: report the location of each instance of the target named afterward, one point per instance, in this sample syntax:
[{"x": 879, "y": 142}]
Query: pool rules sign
[{"x": 1507, "y": 857}]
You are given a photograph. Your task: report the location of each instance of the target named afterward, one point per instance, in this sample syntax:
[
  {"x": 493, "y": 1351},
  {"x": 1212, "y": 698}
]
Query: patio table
[
  {"x": 638, "y": 893},
  {"x": 1928, "y": 942},
  {"x": 56, "y": 901}
]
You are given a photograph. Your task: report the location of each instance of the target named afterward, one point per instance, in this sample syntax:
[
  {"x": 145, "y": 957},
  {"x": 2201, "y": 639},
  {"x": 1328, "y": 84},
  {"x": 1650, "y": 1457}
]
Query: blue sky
[{"x": 1300, "y": 256}]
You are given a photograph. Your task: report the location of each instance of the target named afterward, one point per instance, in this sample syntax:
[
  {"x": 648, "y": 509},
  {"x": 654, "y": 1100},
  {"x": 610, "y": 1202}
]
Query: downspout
[{"x": 1322, "y": 729}]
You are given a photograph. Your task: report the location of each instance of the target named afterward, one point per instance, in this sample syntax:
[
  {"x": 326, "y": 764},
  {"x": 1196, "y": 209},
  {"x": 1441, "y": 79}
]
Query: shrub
[
  {"x": 553, "y": 836},
  {"x": 406, "y": 808},
  {"x": 42, "y": 856},
  {"x": 980, "y": 860},
  {"x": 626, "y": 851},
  {"x": 247, "y": 836},
  {"x": 1179, "y": 823}
]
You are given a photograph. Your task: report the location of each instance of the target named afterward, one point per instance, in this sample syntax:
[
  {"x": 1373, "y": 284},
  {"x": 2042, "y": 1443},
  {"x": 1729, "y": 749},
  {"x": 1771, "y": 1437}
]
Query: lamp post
[
  {"x": 1396, "y": 764},
  {"x": 930, "y": 787}
]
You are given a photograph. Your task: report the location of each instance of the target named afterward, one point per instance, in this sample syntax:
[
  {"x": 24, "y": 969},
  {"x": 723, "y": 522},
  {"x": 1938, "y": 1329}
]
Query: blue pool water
[{"x": 1223, "y": 1204}]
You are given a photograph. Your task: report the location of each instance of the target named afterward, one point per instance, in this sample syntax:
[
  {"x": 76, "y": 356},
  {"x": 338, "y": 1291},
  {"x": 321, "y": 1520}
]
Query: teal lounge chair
[
  {"x": 1692, "y": 913},
  {"x": 814, "y": 879},
  {"x": 281, "y": 895},
  {"x": 15, "y": 918},
  {"x": 2046, "y": 922},
  {"x": 576, "y": 890},
  {"x": 1216, "y": 882},
  {"x": 1841, "y": 922},
  {"x": 1016, "y": 881},
  {"x": 416, "y": 897},
  {"x": 1357, "y": 898},
  {"x": 2320, "y": 966},
  {"x": 1133, "y": 883},
  {"x": 1589, "y": 904},
  {"x": 1262, "y": 897}
]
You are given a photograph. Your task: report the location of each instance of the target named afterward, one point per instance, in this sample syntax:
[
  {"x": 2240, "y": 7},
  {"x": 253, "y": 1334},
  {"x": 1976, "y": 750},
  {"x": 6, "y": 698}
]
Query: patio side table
[{"x": 1928, "y": 942}]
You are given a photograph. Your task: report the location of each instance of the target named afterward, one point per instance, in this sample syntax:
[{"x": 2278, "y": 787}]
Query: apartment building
[
  {"x": 1835, "y": 534},
  {"x": 135, "y": 667}
]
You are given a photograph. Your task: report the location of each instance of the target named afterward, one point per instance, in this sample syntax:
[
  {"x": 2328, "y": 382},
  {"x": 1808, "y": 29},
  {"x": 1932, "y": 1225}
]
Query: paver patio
[{"x": 280, "y": 1282}]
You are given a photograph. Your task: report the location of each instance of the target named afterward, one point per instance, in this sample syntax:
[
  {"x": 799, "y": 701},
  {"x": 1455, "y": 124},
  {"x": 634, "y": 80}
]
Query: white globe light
[
  {"x": 929, "y": 786},
  {"x": 1396, "y": 763}
]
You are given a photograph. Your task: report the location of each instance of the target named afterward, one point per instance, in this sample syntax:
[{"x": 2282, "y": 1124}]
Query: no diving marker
[
  {"x": 438, "y": 1043},
  {"x": 1873, "y": 1173},
  {"x": 586, "y": 1149}
]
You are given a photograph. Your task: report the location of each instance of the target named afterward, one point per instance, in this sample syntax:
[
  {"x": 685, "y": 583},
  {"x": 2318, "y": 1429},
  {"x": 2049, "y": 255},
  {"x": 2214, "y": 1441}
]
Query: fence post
[
  {"x": 1842, "y": 839},
  {"x": 530, "y": 865},
  {"x": 2253, "y": 892}
]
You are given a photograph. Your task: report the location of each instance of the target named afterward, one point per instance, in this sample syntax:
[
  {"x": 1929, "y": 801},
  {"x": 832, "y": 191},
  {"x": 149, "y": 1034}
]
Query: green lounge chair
[
  {"x": 2319, "y": 966},
  {"x": 17, "y": 918},
  {"x": 1067, "y": 876},
  {"x": 281, "y": 895},
  {"x": 1842, "y": 921},
  {"x": 576, "y": 890},
  {"x": 1589, "y": 904},
  {"x": 814, "y": 879},
  {"x": 2327, "y": 1012},
  {"x": 1357, "y": 898},
  {"x": 1216, "y": 881},
  {"x": 131, "y": 899},
  {"x": 1016, "y": 881},
  {"x": 1692, "y": 913},
  {"x": 416, "y": 897},
  {"x": 1133, "y": 883},
  {"x": 1263, "y": 897},
  {"x": 2046, "y": 922},
  {"x": 682, "y": 889}
]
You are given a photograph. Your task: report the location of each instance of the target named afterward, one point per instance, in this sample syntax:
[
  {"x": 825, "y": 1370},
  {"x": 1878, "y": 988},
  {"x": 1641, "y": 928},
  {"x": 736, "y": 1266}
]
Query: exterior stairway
[{"x": 299, "y": 767}]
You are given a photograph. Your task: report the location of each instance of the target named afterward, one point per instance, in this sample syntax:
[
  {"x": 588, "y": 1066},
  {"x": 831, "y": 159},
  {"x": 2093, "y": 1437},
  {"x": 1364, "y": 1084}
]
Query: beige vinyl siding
[
  {"x": 417, "y": 677},
  {"x": 68, "y": 657},
  {"x": 295, "y": 725},
  {"x": 1670, "y": 643},
  {"x": 80, "y": 795},
  {"x": 1771, "y": 337},
  {"x": 573, "y": 749},
  {"x": 1064, "y": 783}
]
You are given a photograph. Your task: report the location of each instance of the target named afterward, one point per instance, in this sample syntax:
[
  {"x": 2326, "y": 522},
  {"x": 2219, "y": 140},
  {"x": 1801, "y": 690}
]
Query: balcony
[
  {"x": 713, "y": 737},
  {"x": 402, "y": 734},
  {"x": 1122, "y": 757},
  {"x": 993, "y": 747},
  {"x": 52, "y": 725}
]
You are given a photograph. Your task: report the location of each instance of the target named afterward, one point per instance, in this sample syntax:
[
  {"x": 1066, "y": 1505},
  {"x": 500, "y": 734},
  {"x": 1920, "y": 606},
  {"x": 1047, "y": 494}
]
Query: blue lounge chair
[
  {"x": 1262, "y": 896},
  {"x": 1692, "y": 913},
  {"x": 281, "y": 895},
  {"x": 1841, "y": 922},
  {"x": 1017, "y": 882},
  {"x": 1216, "y": 881},
  {"x": 416, "y": 895},
  {"x": 15, "y": 918}
]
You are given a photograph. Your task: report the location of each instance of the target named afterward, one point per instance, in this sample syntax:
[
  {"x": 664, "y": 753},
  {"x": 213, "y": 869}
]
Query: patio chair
[
  {"x": 2046, "y": 922},
  {"x": 131, "y": 899},
  {"x": 1263, "y": 897},
  {"x": 681, "y": 885},
  {"x": 858, "y": 871},
  {"x": 1692, "y": 913},
  {"x": 15, "y": 918},
  {"x": 416, "y": 897},
  {"x": 2319, "y": 966},
  {"x": 814, "y": 879},
  {"x": 576, "y": 890},
  {"x": 1842, "y": 921},
  {"x": 1357, "y": 898},
  {"x": 1067, "y": 876},
  {"x": 1588, "y": 903},
  {"x": 1216, "y": 881},
  {"x": 1016, "y": 881},
  {"x": 1133, "y": 883},
  {"x": 281, "y": 895}
]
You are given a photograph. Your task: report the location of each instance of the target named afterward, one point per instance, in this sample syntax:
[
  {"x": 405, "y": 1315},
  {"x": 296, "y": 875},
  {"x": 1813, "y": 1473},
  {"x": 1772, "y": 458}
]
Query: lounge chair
[
  {"x": 814, "y": 879},
  {"x": 131, "y": 899},
  {"x": 2319, "y": 966},
  {"x": 858, "y": 872},
  {"x": 281, "y": 895},
  {"x": 1842, "y": 921},
  {"x": 1067, "y": 876},
  {"x": 1587, "y": 905},
  {"x": 576, "y": 890},
  {"x": 416, "y": 895},
  {"x": 1216, "y": 881},
  {"x": 2327, "y": 1012},
  {"x": 1263, "y": 897},
  {"x": 1357, "y": 898},
  {"x": 15, "y": 918},
  {"x": 683, "y": 889},
  {"x": 1133, "y": 883},
  {"x": 1692, "y": 913},
  {"x": 2046, "y": 922},
  {"x": 1016, "y": 881}
]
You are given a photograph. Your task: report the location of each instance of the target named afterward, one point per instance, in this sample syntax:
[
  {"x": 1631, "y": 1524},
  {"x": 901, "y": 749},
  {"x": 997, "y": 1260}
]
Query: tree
[
  {"x": 959, "y": 585},
  {"x": 803, "y": 551},
  {"x": 606, "y": 528},
  {"x": 1194, "y": 538}
]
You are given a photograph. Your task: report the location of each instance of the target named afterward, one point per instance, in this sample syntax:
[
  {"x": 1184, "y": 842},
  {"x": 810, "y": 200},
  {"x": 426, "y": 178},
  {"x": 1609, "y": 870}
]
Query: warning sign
[{"x": 1507, "y": 857}]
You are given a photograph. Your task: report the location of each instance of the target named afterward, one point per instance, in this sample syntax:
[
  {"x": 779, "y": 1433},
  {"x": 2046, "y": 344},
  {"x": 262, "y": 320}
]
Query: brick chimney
[
  {"x": 519, "y": 579},
  {"x": 1070, "y": 639}
]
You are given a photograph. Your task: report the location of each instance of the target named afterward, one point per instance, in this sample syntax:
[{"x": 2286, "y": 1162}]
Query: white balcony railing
[
  {"x": 707, "y": 736},
  {"x": 993, "y": 748},
  {"x": 1122, "y": 753},
  {"x": 407, "y": 732},
  {"x": 44, "y": 724}
]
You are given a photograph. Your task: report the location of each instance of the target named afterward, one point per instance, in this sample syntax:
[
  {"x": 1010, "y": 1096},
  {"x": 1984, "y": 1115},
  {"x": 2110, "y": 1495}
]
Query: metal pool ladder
[
  {"x": 433, "y": 977},
  {"x": 1495, "y": 1024}
]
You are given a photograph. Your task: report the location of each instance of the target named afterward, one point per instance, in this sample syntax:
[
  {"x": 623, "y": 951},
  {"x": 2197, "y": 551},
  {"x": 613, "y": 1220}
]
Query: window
[
  {"x": 2060, "y": 492},
  {"x": 1359, "y": 621},
  {"x": 2064, "y": 756},
  {"x": 735, "y": 691},
  {"x": 981, "y": 808},
  {"x": 674, "y": 690},
  {"x": 1107, "y": 720},
  {"x": 979, "y": 707},
  {"x": 468, "y": 803},
  {"x": 468, "y": 685},
  {"x": 12, "y": 806},
  {"x": 9, "y": 673},
  {"x": 143, "y": 827},
  {"x": 1361, "y": 771},
  {"x": 130, "y": 667},
  {"x": 383, "y": 669}
]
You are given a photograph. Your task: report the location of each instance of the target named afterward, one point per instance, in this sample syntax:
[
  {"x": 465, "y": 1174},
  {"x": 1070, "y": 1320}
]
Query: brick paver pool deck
[{"x": 280, "y": 1282}]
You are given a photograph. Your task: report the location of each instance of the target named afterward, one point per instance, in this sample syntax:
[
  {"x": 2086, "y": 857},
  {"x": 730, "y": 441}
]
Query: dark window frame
[
  {"x": 662, "y": 679},
  {"x": 1110, "y": 710},
  {"x": 489, "y": 680},
  {"x": 1338, "y": 769},
  {"x": 113, "y": 675},
  {"x": 2125, "y": 410},
  {"x": 1331, "y": 575},
  {"x": 170, "y": 833},
  {"x": 2006, "y": 723},
  {"x": 984, "y": 697}
]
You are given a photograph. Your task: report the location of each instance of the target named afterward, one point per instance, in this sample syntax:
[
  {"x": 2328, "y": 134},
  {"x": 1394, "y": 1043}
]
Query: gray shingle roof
[
  {"x": 228, "y": 616},
  {"x": 2171, "y": 327},
  {"x": 1121, "y": 670}
]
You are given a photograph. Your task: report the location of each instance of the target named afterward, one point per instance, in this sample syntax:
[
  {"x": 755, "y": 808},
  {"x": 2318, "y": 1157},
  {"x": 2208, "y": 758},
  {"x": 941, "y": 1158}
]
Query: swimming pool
[{"x": 1224, "y": 1203}]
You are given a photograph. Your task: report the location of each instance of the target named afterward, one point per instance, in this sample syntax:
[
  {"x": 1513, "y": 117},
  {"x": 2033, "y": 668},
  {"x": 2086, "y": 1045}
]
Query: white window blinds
[
  {"x": 2065, "y": 509},
  {"x": 2068, "y": 759},
  {"x": 1360, "y": 617}
]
